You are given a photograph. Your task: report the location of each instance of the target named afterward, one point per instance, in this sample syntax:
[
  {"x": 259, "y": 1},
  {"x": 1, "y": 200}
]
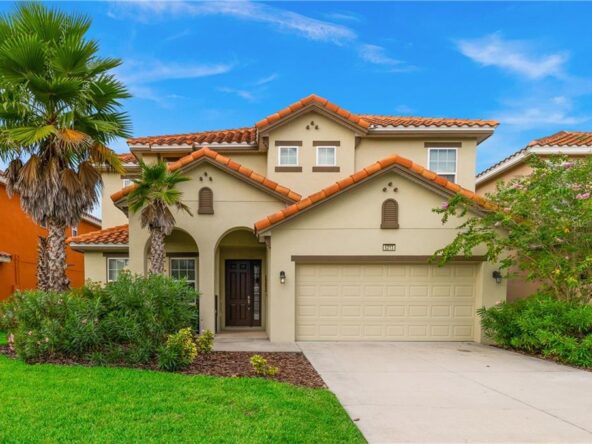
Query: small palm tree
[
  {"x": 59, "y": 108},
  {"x": 154, "y": 194}
]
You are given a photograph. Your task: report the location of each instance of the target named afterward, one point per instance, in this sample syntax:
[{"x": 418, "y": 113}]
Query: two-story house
[{"x": 348, "y": 262}]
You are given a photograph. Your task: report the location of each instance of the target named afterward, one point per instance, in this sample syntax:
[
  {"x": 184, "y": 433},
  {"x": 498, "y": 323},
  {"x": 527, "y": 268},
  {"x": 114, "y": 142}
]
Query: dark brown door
[{"x": 243, "y": 293}]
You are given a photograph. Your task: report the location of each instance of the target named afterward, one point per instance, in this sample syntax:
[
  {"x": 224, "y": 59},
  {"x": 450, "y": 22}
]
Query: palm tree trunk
[
  {"x": 157, "y": 251},
  {"x": 56, "y": 257},
  {"x": 42, "y": 269}
]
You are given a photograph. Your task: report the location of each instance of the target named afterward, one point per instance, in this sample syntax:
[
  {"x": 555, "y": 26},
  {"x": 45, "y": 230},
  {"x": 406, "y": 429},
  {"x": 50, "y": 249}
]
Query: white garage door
[{"x": 409, "y": 302}]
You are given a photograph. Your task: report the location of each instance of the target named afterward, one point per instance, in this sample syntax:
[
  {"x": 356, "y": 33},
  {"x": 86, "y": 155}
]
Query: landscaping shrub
[
  {"x": 124, "y": 322},
  {"x": 543, "y": 325},
  {"x": 261, "y": 367},
  {"x": 178, "y": 352},
  {"x": 205, "y": 342}
]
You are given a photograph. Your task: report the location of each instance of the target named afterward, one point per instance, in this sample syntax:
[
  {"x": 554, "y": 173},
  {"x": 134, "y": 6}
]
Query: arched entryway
[{"x": 241, "y": 285}]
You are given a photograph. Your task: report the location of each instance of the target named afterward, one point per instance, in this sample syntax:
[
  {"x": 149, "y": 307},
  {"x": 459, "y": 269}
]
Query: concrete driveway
[{"x": 455, "y": 392}]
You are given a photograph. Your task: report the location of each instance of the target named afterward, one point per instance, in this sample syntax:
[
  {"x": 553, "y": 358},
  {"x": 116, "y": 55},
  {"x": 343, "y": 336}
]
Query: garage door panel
[{"x": 385, "y": 302}]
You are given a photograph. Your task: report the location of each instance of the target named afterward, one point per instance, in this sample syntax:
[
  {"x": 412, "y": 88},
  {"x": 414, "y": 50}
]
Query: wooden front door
[{"x": 243, "y": 293}]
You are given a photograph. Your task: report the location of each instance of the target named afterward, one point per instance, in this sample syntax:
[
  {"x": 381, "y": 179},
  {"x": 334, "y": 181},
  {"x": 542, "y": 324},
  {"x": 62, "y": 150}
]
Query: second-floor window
[
  {"x": 326, "y": 156},
  {"x": 74, "y": 230},
  {"x": 127, "y": 182},
  {"x": 442, "y": 161},
  {"x": 288, "y": 156}
]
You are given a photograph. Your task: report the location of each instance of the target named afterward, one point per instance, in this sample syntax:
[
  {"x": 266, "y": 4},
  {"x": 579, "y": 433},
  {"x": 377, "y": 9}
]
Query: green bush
[
  {"x": 125, "y": 321},
  {"x": 205, "y": 342},
  {"x": 178, "y": 352},
  {"x": 543, "y": 325},
  {"x": 261, "y": 367}
]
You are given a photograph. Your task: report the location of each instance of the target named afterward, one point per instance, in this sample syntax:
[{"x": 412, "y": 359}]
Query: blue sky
[{"x": 197, "y": 66}]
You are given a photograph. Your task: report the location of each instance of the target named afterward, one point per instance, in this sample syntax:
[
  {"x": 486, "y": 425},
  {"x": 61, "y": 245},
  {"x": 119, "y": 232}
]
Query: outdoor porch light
[
  {"x": 282, "y": 277},
  {"x": 497, "y": 276}
]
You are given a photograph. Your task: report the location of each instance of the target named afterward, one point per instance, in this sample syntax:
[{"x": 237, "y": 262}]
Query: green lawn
[{"x": 48, "y": 403}]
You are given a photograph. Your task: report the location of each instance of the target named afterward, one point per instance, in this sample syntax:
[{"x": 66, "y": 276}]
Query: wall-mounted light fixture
[
  {"x": 282, "y": 277},
  {"x": 497, "y": 276}
]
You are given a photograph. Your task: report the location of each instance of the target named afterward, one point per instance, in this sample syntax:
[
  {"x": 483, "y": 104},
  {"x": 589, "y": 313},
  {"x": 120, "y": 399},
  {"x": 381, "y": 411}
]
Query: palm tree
[
  {"x": 59, "y": 109},
  {"x": 154, "y": 193}
]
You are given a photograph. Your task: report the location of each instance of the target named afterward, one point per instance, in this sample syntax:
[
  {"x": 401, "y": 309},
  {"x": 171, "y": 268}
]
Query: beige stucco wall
[
  {"x": 256, "y": 162},
  {"x": 95, "y": 266},
  {"x": 372, "y": 149},
  {"x": 111, "y": 216},
  {"x": 307, "y": 181},
  {"x": 349, "y": 224},
  {"x": 236, "y": 205}
]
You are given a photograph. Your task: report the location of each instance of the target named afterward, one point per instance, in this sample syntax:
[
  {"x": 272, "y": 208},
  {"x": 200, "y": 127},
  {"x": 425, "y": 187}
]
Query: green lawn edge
[{"x": 51, "y": 403}]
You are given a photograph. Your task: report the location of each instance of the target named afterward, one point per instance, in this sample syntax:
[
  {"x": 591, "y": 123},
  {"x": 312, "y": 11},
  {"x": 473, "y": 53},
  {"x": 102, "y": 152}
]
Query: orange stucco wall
[{"x": 18, "y": 237}]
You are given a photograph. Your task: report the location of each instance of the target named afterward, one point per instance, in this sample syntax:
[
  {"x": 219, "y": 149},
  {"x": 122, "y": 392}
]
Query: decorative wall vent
[
  {"x": 206, "y": 201},
  {"x": 312, "y": 125},
  {"x": 390, "y": 214}
]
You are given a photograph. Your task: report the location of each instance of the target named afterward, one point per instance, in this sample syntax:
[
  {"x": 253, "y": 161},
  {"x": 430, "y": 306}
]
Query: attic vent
[
  {"x": 206, "y": 201},
  {"x": 390, "y": 214}
]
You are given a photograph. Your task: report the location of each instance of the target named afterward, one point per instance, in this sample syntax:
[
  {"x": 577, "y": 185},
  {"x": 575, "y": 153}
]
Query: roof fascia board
[{"x": 99, "y": 247}]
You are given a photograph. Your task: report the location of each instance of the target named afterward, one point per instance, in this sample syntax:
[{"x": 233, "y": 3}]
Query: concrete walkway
[
  {"x": 455, "y": 392},
  {"x": 250, "y": 341}
]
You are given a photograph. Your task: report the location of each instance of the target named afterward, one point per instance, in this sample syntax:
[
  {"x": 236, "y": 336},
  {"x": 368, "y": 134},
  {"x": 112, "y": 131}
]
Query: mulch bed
[{"x": 293, "y": 367}]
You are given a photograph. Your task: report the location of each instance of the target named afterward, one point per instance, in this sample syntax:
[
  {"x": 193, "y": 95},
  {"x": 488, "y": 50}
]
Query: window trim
[
  {"x": 279, "y": 157},
  {"x": 455, "y": 149},
  {"x": 111, "y": 258},
  {"x": 195, "y": 269},
  {"x": 334, "y": 164}
]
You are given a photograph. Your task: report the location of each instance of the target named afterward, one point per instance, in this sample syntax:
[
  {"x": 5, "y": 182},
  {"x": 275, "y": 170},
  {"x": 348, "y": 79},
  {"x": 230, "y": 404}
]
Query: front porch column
[
  {"x": 137, "y": 245},
  {"x": 207, "y": 287}
]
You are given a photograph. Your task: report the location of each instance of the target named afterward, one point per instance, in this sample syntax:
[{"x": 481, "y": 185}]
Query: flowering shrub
[
  {"x": 126, "y": 321},
  {"x": 540, "y": 224},
  {"x": 543, "y": 325},
  {"x": 178, "y": 352}
]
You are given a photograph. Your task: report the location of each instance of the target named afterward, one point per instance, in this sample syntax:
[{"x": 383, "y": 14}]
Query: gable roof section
[
  {"x": 128, "y": 158},
  {"x": 562, "y": 142},
  {"x": 425, "y": 122},
  {"x": 118, "y": 235},
  {"x": 391, "y": 162},
  {"x": 313, "y": 99},
  {"x": 228, "y": 165}
]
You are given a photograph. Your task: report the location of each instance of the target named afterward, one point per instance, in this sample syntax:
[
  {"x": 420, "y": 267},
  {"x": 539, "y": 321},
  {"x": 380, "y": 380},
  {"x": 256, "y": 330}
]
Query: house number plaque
[{"x": 389, "y": 247}]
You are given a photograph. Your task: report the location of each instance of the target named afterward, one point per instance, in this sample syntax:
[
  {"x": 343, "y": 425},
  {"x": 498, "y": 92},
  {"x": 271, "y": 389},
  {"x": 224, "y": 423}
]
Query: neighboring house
[
  {"x": 19, "y": 237},
  {"x": 569, "y": 143},
  {"x": 349, "y": 262}
]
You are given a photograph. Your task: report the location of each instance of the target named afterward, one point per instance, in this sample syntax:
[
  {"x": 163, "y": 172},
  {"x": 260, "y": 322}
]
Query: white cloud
[
  {"x": 403, "y": 109},
  {"x": 265, "y": 80},
  {"x": 282, "y": 19},
  {"x": 377, "y": 55},
  {"x": 149, "y": 71},
  {"x": 243, "y": 93},
  {"x": 512, "y": 55}
]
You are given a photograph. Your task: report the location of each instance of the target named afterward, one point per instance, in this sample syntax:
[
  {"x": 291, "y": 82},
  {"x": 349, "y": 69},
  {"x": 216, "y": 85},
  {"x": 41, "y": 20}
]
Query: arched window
[
  {"x": 390, "y": 214},
  {"x": 206, "y": 201}
]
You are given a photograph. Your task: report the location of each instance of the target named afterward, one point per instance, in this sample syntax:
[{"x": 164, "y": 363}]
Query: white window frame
[
  {"x": 126, "y": 181},
  {"x": 118, "y": 258},
  {"x": 334, "y": 148},
  {"x": 194, "y": 259},
  {"x": 440, "y": 173},
  {"x": 279, "y": 154}
]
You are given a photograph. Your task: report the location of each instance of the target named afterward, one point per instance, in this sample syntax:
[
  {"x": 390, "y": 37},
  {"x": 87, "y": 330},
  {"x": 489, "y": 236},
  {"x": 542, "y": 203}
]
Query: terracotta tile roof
[
  {"x": 225, "y": 162},
  {"x": 408, "y": 121},
  {"x": 238, "y": 135},
  {"x": 565, "y": 138},
  {"x": 313, "y": 98},
  {"x": 367, "y": 172},
  {"x": 115, "y": 235},
  {"x": 128, "y": 158}
]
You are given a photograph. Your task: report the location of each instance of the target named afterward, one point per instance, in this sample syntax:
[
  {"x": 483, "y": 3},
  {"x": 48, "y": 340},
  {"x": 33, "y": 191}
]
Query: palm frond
[{"x": 30, "y": 135}]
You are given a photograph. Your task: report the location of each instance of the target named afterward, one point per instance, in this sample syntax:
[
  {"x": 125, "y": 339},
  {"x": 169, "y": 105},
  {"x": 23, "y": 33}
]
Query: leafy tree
[
  {"x": 154, "y": 193},
  {"x": 540, "y": 224},
  {"x": 59, "y": 110}
]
